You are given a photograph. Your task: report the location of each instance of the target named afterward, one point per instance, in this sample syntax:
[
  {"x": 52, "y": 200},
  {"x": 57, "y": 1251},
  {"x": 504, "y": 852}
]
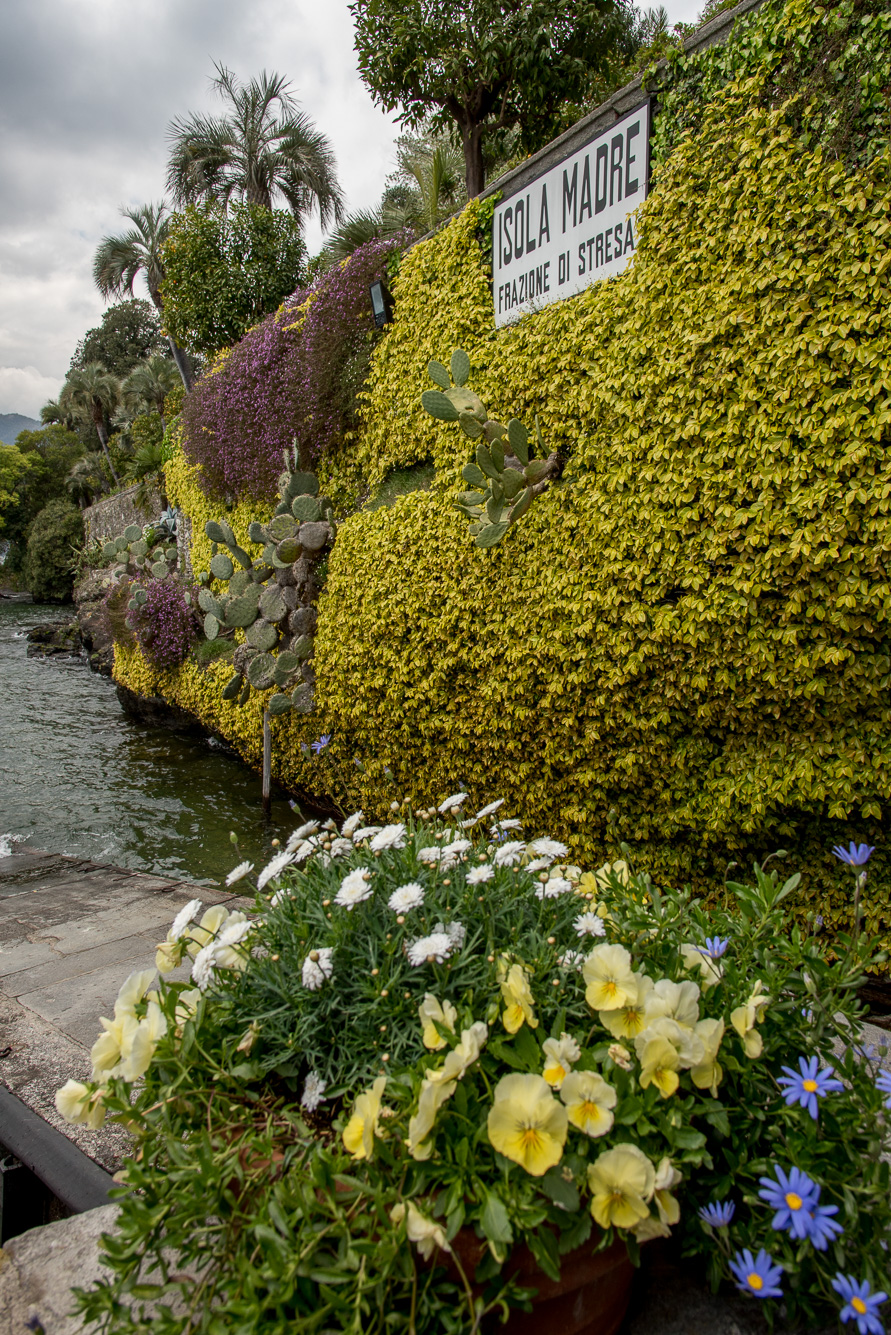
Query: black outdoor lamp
[{"x": 381, "y": 303}]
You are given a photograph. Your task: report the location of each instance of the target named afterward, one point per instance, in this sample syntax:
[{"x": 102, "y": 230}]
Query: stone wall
[{"x": 108, "y": 518}]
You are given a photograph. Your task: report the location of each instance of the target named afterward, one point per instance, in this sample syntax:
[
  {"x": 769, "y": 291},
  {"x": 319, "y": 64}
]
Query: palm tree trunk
[
  {"x": 182, "y": 363},
  {"x": 99, "y": 424}
]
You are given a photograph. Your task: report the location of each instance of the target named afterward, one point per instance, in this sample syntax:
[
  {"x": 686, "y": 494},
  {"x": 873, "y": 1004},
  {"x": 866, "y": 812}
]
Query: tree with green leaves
[
  {"x": 14, "y": 469},
  {"x": 87, "y": 479},
  {"x": 94, "y": 392},
  {"x": 119, "y": 260},
  {"x": 226, "y": 270},
  {"x": 129, "y": 332},
  {"x": 263, "y": 147},
  {"x": 147, "y": 386},
  {"x": 485, "y": 66}
]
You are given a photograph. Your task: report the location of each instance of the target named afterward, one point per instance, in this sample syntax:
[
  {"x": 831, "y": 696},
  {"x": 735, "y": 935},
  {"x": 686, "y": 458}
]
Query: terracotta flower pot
[{"x": 590, "y": 1298}]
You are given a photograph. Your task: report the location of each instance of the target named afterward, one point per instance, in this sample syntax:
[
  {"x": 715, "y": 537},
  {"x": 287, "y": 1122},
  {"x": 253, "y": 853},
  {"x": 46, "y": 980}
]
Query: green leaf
[
  {"x": 494, "y": 1220},
  {"x": 564, "y": 1194}
]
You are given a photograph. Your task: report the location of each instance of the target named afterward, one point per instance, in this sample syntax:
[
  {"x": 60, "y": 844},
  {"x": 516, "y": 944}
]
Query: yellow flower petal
[
  {"x": 527, "y": 1124},
  {"x": 621, "y": 1182},
  {"x": 589, "y": 1102}
]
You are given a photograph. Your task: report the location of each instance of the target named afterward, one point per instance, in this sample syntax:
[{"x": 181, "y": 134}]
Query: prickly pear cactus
[
  {"x": 270, "y": 597},
  {"x": 140, "y": 551},
  {"x": 503, "y": 477}
]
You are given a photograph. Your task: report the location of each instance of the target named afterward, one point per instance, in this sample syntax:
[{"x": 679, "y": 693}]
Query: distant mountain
[{"x": 12, "y": 423}]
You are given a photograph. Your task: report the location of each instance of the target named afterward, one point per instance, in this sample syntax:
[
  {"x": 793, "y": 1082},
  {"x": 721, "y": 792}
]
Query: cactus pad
[
  {"x": 281, "y": 527},
  {"x": 306, "y": 508},
  {"x": 211, "y": 626},
  {"x": 278, "y": 704},
  {"x": 221, "y": 567},
  {"x": 439, "y": 375},
  {"x": 438, "y": 405},
  {"x": 262, "y": 635},
  {"x": 491, "y": 534},
  {"x": 243, "y": 611},
  {"x": 214, "y": 531},
  {"x": 260, "y": 671},
  {"x": 460, "y": 366},
  {"x": 232, "y": 687},
  {"x": 272, "y": 604},
  {"x": 132, "y": 533},
  {"x": 304, "y": 484}
]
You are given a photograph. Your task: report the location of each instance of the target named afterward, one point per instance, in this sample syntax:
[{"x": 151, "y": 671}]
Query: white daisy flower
[
  {"x": 452, "y": 803},
  {"x": 438, "y": 947},
  {"x": 501, "y": 825},
  {"x": 274, "y": 868},
  {"x": 330, "y": 826},
  {"x": 367, "y": 832},
  {"x": 509, "y": 854},
  {"x": 455, "y": 849},
  {"x": 484, "y": 872},
  {"x": 354, "y": 888},
  {"x": 340, "y": 847},
  {"x": 456, "y": 932},
  {"x": 313, "y": 1091},
  {"x": 557, "y": 885},
  {"x": 350, "y": 826},
  {"x": 589, "y": 924},
  {"x": 302, "y": 833},
  {"x": 539, "y": 864},
  {"x": 548, "y": 848},
  {"x": 573, "y": 959},
  {"x": 279, "y": 896},
  {"x": 319, "y": 970},
  {"x": 305, "y": 850},
  {"x": 490, "y": 809},
  {"x": 429, "y": 855},
  {"x": 233, "y": 932},
  {"x": 203, "y": 966},
  {"x": 238, "y": 873},
  {"x": 391, "y": 836},
  {"x": 183, "y": 918},
  {"x": 407, "y": 897}
]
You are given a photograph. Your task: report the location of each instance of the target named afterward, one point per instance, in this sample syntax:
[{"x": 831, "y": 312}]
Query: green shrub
[{"x": 54, "y": 540}]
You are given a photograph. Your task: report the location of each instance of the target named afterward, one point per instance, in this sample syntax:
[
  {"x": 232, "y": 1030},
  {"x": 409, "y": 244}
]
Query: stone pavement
[{"x": 70, "y": 932}]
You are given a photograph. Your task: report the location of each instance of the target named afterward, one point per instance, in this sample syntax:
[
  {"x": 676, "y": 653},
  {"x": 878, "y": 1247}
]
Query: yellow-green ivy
[{"x": 691, "y": 629}]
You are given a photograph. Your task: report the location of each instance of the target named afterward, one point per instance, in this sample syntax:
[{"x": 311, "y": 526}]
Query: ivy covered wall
[{"x": 689, "y": 630}]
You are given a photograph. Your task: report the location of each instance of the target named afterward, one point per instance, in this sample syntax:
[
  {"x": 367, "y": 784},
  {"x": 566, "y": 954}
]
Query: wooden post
[{"x": 267, "y": 766}]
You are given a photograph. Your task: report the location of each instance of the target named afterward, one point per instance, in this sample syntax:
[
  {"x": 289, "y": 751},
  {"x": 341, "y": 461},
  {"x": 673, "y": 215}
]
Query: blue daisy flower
[
  {"x": 808, "y": 1083},
  {"x": 855, "y": 855},
  {"x": 860, "y": 1304},
  {"x": 793, "y": 1197},
  {"x": 718, "y": 1213},
  {"x": 758, "y": 1275}
]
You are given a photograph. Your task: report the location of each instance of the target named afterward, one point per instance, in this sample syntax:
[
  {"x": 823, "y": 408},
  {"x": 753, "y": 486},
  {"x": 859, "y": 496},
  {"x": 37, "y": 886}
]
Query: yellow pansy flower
[
  {"x": 610, "y": 978},
  {"x": 621, "y": 1182},
  {"x": 667, "y": 1177},
  {"x": 527, "y": 1124},
  {"x": 651, "y": 1227},
  {"x": 631, "y": 1019},
  {"x": 169, "y": 955},
  {"x": 659, "y": 1063},
  {"x": 676, "y": 1001},
  {"x": 433, "y": 1096},
  {"x": 132, "y": 991},
  {"x": 142, "y": 1043},
  {"x": 708, "y": 1074},
  {"x": 560, "y": 1054},
  {"x": 463, "y": 1055},
  {"x": 686, "y": 1042},
  {"x": 618, "y": 870},
  {"x": 186, "y": 1005},
  {"x": 745, "y": 1017},
  {"x": 431, "y": 1010},
  {"x": 517, "y": 996},
  {"x": 78, "y": 1104},
  {"x": 206, "y": 930},
  {"x": 112, "y": 1046},
  {"x": 360, "y": 1130},
  {"x": 420, "y": 1230},
  {"x": 589, "y": 1102}
]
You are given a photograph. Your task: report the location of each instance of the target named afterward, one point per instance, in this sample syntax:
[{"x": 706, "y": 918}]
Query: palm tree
[
  {"x": 148, "y": 385},
  {"x": 120, "y": 259},
  {"x": 57, "y": 411},
  {"x": 88, "y": 479},
  {"x": 95, "y": 392},
  {"x": 147, "y": 468},
  {"x": 263, "y": 146}
]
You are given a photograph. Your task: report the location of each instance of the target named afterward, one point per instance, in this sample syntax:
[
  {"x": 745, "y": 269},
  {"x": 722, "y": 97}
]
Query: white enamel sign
[{"x": 575, "y": 224}]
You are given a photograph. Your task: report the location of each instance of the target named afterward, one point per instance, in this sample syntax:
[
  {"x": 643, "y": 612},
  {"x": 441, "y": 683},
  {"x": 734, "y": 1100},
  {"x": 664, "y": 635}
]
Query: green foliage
[
  {"x": 513, "y": 990},
  {"x": 129, "y": 332},
  {"x": 48, "y": 455},
  {"x": 55, "y": 536},
  {"x": 226, "y": 270},
  {"x": 401, "y": 482},
  {"x": 14, "y": 470},
  {"x": 482, "y": 68}
]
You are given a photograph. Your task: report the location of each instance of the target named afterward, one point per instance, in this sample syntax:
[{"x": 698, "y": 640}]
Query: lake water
[{"x": 78, "y": 777}]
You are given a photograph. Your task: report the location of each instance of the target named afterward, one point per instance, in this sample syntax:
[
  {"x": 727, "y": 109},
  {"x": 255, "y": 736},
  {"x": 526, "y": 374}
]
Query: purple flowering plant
[
  {"x": 295, "y": 377},
  {"x": 164, "y": 625}
]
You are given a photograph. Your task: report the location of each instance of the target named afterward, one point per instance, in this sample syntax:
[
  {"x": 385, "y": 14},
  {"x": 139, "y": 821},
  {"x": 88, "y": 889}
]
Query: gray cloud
[{"x": 87, "y": 89}]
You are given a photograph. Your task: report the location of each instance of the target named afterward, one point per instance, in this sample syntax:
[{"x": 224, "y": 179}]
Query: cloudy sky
[{"x": 87, "y": 88}]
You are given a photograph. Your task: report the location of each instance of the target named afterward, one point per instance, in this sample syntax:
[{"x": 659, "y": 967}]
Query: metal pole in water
[{"x": 267, "y": 765}]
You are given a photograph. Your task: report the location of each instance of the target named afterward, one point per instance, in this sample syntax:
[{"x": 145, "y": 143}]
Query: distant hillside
[{"x": 12, "y": 423}]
